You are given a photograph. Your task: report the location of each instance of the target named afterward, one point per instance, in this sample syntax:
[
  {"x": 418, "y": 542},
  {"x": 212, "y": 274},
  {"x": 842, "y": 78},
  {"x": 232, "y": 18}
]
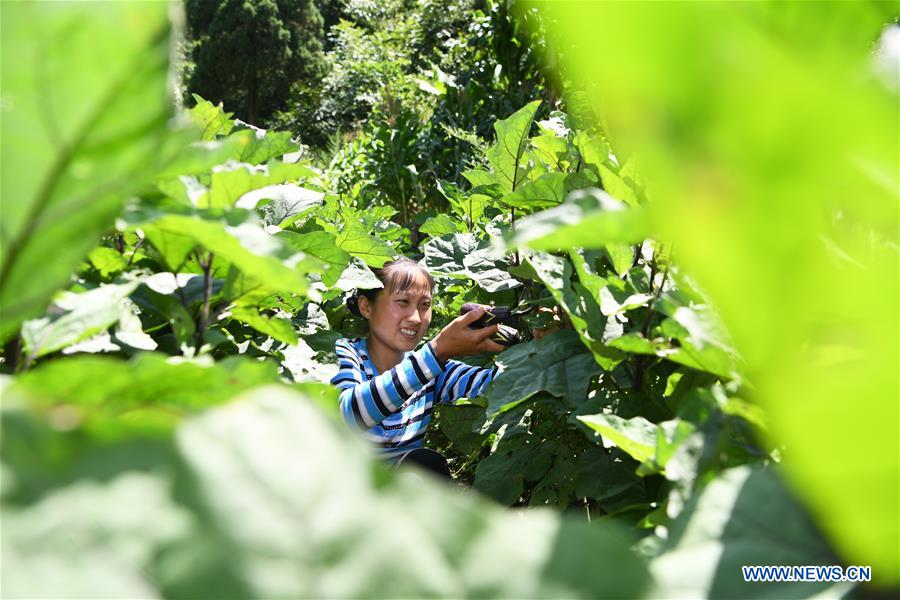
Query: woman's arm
[
  {"x": 365, "y": 404},
  {"x": 460, "y": 380}
]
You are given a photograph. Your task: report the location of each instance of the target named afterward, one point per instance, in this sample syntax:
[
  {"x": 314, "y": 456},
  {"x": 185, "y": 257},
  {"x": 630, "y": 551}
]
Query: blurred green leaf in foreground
[
  {"x": 265, "y": 498},
  {"x": 770, "y": 150},
  {"x": 85, "y": 112}
]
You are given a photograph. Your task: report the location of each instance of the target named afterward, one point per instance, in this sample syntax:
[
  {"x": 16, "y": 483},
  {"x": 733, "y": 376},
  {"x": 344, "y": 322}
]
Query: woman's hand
[{"x": 457, "y": 339}]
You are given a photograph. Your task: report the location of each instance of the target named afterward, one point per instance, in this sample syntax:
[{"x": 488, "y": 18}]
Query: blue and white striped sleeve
[
  {"x": 366, "y": 403},
  {"x": 460, "y": 380}
]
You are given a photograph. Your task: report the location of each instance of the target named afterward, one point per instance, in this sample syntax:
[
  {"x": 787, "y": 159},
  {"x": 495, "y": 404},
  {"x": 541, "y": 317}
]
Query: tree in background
[
  {"x": 258, "y": 57},
  {"x": 413, "y": 92}
]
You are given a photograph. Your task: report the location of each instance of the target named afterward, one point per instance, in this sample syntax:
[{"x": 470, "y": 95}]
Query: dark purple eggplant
[
  {"x": 495, "y": 315},
  {"x": 492, "y": 314}
]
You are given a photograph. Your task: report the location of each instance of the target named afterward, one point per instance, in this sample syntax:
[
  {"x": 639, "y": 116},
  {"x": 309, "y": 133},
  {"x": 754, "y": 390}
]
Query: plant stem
[
  {"x": 203, "y": 319},
  {"x": 137, "y": 247},
  {"x": 512, "y": 222},
  {"x": 641, "y": 361}
]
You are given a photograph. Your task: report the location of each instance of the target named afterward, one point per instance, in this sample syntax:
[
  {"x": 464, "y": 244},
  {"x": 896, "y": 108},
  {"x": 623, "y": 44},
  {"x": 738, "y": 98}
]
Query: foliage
[
  {"x": 644, "y": 355},
  {"x": 172, "y": 370},
  {"x": 415, "y": 93}
]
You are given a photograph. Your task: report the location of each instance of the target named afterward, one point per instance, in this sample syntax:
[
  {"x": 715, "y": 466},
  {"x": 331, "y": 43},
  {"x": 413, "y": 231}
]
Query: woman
[{"x": 388, "y": 388}]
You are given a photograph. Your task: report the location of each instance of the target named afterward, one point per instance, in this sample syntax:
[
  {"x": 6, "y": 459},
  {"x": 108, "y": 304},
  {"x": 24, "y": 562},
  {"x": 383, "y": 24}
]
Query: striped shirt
[{"x": 394, "y": 407}]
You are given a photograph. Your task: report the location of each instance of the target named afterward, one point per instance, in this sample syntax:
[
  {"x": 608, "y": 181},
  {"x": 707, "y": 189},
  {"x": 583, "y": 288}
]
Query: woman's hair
[{"x": 397, "y": 276}]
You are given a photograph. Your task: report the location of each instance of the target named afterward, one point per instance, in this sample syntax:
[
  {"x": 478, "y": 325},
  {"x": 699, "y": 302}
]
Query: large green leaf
[
  {"x": 84, "y": 121},
  {"x": 446, "y": 254},
  {"x": 213, "y": 119},
  {"x": 588, "y": 218},
  {"x": 556, "y": 364},
  {"x": 479, "y": 178},
  {"x": 271, "y": 531},
  {"x": 557, "y": 488},
  {"x": 745, "y": 517},
  {"x": 469, "y": 206},
  {"x": 512, "y": 462},
  {"x": 692, "y": 336},
  {"x": 265, "y": 145},
  {"x": 107, "y": 261},
  {"x": 283, "y": 204},
  {"x": 621, "y": 256},
  {"x": 618, "y": 182},
  {"x": 547, "y": 190},
  {"x": 439, "y": 225},
  {"x": 357, "y": 276},
  {"x": 232, "y": 181},
  {"x": 459, "y": 423},
  {"x": 506, "y": 153},
  {"x": 173, "y": 248},
  {"x": 198, "y": 158},
  {"x": 354, "y": 239},
  {"x": 322, "y": 245},
  {"x": 601, "y": 476},
  {"x": 635, "y": 436},
  {"x": 82, "y": 542},
  {"x": 75, "y": 317},
  {"x": 289, "y": 200},
  {"x": 464, "y": 256},
  {"x": 551, "y": 149},
  {"x": 247, "y": 246},
  {"x": 305, "y": 364}
]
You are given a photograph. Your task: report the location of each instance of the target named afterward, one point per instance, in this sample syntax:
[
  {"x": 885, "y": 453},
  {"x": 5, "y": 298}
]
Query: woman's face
[{"x": 399, "y": 320}]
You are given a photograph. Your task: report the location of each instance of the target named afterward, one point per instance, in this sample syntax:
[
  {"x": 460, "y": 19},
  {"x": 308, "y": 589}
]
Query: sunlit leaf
[
  {"x": 547, "y": 190},
  {"x": 285, "y": 202},
  {"x": 357, "y": 276},
  {"x": 355, "y": 240},
  {"x": 589, "y": 219},
  {"x": 231, "y": 181},
  {"x": 83, "y": 315},
  {"x": 267, "y": 144},
  {"x": 579, "y": 303},
  {"x": 506, "y": 153},
  {"x": 247, "y": 246},
  {"x": 462, "y": 255},
  {"x": 439, "y": 225},
  {"x": 748, "y": 217},
  {"x": 636, "y": 436},
  {"x": 213, "y": 119},
  {"x": 322, "y": 245},
  {"x": 107, "y": 261}
]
